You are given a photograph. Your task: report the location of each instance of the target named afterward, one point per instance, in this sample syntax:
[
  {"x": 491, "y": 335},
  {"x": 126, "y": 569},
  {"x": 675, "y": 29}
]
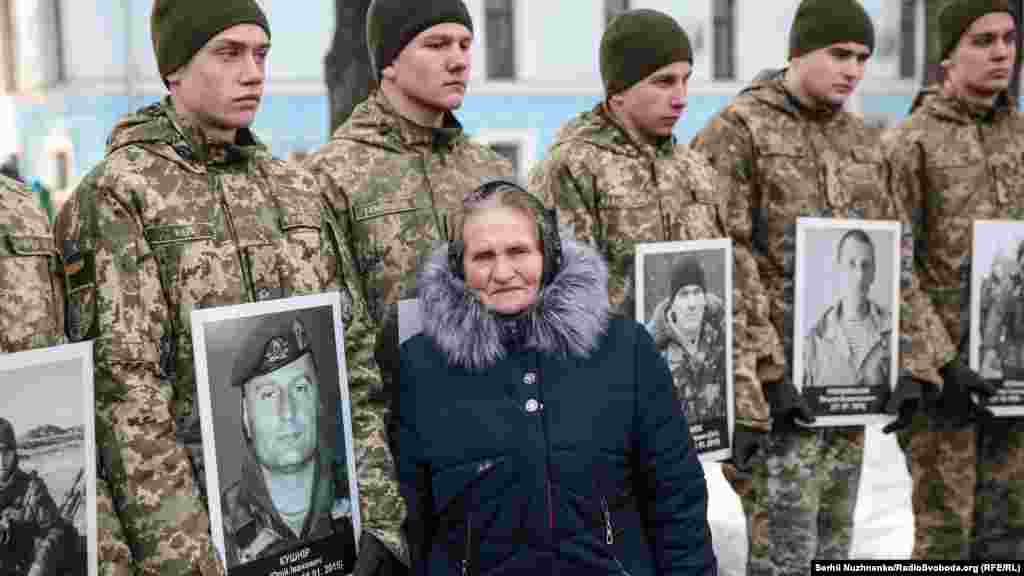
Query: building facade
[{"x": 69, "y": 68}]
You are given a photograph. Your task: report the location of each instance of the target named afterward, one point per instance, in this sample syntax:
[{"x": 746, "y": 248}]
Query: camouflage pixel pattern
[
  {"x": 394, "y": 187},
  {"x": 169, "y": 222},
  {"x": 784, "y": 161},
  {"x": 800, "y": 501},
  {"x": 31, "y": 528},
  {"x": 615, "y": 192},
  {"x": 954, "y": 163}
]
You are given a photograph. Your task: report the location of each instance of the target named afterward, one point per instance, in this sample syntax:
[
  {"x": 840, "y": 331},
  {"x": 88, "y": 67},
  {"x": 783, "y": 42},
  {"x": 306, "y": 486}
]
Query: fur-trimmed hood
[{"x": 569, "y": 318}]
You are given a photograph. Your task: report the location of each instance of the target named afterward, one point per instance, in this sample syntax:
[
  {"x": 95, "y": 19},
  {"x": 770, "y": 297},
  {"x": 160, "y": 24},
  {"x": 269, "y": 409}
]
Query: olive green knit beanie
[
  {"x": 391, "y": 24},
  {"x": 180, "y": 28},
  {"x": 956, "y": 16},
  {"x": 636, "y": 44},
  {"x": 821, "y": 23}
]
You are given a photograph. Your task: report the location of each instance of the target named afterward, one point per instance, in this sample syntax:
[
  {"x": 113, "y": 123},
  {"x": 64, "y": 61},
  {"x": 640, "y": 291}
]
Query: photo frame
[
  {"x": 48, "y": 399},
  {"x": 997, "y": 312},
  {"x": 846, "y": 367},
  {"x": 264, "y": 433},
  {"x": 684, "y": 298}
]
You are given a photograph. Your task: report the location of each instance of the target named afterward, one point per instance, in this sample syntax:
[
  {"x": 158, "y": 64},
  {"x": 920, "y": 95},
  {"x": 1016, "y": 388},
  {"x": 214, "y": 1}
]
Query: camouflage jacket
[
  {"x": 785, "y": 161},
  {"x": 31, "y": 529},
  {"x": 169, "y": 222},
  {"x": 31, "y": 301},
  {"x": 393, "y": 185},
  {"x": 616, "y": 192},
  {"x": 954, "y": 163}
]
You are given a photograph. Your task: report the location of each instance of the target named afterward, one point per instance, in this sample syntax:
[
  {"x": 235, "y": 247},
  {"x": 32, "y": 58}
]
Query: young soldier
[
  {"x": 618, "y": 178},
  {"x": 395, "y": 170},
  {"x": 186, "y": 211},
  {"x": 789, "y": 149},
  {"x": 957, "y": 159}
]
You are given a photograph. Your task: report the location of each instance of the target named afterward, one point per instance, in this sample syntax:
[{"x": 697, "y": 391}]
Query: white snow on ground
[{"x": 883, "y": 522}]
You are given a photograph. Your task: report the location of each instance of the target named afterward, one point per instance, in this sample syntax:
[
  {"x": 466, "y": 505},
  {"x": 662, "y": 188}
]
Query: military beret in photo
[
  {"x": 636, "y": 44},
  {"x": 180, "y": 28},
  {"x": 277, "y": 341},
  {"x": 392, "y": 24},
  {"x": 956, "y": 16},
  {"x": 822, "y": 23}
]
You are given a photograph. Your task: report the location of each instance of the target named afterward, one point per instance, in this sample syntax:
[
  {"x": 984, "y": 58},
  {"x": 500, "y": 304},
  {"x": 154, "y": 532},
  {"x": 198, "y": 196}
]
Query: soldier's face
[
  {"x": 856, "y": 270},
  {"x": 829, "y": 75},
  {"x": 503, "y": 260},
  {"x": 282, "y": 412},
  {"x": 982, "y": 62},
  {"x": 652, "y": 107},
  {"x": 7, "y": 453},
  {"x": 221, "y": 87},
  {"x": 688, "y": 306},
  {"x": 432, "y": 70}
]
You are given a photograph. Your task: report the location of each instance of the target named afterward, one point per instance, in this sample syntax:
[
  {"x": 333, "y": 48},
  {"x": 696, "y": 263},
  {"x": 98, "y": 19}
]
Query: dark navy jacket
[{"x": 552, "y": 443}]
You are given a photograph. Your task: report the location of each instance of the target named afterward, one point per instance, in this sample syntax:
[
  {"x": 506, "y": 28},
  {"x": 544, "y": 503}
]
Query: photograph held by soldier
[
  {"x": 189, "y": 210},
  {"x": 618, "y": 177},
  {"x": 32, "y": 532},
  {"x": 286, "y": 490},
  {"x": 787, "y": 148},
  {"x": 955, "y": 160},
  {"x": 1003, "y": 327},
  {"x": 397, "y": 169},
  {"x": 511, "y": 311}
]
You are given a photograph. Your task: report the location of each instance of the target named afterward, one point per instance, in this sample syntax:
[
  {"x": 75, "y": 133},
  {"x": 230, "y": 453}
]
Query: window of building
[
  {"x": 62, "y": 169},
  {"x": 613, "y": 8},
  {"x": 509, "y": 150},
  {"x": 908, "y": 38},
  {"x": 501, "y": 39},
  {"x": 58, "y": 43},
  {"x": 724, "y": 39},
  {"x": 8, "y": 58}
]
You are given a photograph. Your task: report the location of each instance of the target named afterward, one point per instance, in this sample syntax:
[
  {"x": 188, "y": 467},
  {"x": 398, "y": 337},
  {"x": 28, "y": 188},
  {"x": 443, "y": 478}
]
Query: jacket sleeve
[
  {"x": 49, "y": 543},
  {"x": 758, "y": 356},
  {"x": 116, "y": 298},
  {"x": 382, "y": 510},
  {"x": 925, "y": 343},
  {"x": 675, "y": 501},
  {"x": 413, "y": 474},
  {"x": 564, "y": 184}
]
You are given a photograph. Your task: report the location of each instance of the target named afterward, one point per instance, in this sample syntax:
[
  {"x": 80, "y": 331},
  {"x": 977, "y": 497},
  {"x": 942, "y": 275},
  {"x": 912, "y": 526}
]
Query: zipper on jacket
[{"x": 609, "y": 533}]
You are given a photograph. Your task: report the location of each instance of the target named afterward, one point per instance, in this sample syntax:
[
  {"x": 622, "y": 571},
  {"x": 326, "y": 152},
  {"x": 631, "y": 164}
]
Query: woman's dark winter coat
[{"x": 547, "y": 443}]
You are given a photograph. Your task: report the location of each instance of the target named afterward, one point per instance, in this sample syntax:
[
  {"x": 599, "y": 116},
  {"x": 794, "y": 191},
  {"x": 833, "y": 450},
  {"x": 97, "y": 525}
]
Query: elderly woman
[{"x": 537, "y": 434}]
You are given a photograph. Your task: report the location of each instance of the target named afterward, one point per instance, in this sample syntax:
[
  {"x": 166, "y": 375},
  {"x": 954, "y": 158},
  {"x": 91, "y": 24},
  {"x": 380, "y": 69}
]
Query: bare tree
[{"x": 347, "y": 64}]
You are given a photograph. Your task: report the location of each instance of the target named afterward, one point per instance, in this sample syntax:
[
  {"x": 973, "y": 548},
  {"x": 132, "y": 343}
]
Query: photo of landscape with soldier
[
  {"x": 47, "y": 508},
  {"x": 279, "y": 449}
]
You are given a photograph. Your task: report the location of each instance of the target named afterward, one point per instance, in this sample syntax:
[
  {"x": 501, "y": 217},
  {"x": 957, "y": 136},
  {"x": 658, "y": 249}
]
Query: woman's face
[{"x": 503, "y": 261}]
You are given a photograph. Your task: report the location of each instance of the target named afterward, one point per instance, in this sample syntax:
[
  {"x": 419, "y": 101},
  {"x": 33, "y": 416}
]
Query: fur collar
[{"x": 569, "y": 317}]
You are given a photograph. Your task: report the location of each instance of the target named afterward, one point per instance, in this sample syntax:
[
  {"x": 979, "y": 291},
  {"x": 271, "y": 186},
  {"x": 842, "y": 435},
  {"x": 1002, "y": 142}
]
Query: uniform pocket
[{"x": 30, "y": 316}]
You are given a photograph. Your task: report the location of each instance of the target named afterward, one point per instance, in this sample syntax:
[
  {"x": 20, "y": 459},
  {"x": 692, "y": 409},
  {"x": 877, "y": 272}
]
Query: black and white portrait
[
  {"x": 276, "y": 430},
  {"x": 845, "y": 349},
  {"x": 997, "y": 312},
  {"x": 47, "y": 462},
  {"x": 684, "y": 299}
]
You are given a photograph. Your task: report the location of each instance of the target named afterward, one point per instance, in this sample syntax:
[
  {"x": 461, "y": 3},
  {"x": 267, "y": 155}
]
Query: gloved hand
[
  {"x": 954, "y": 405},
  {"x": 746, "y": 443},
  {"x": 904, "y": 402},
  {"x": 375, "y": 559},
  {"x": 788, "y": 408}
]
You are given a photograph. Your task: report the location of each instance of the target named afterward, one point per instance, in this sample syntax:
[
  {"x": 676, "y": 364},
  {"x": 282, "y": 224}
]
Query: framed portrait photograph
[
  {"x": 48, "y": 461},
  {"x": 684, "y": 299},
  {"x": 846, "y": 318},
  {"x": 277, "y": 435},
  {"x": 997, "y": 312}
]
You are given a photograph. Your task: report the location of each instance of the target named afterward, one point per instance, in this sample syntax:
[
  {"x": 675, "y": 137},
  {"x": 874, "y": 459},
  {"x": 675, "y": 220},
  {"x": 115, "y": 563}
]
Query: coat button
[
  {"x": 529, "y": 378},
  {"x": 532, "y": 405}
]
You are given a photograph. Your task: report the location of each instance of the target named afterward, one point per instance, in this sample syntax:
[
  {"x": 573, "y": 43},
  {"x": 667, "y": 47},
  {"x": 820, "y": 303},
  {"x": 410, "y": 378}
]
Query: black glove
[
  {"x": 787, "y": 406},
  {"x": 954, "y": 405},
  {"x": 746, "y": 443},
  {"x": 375, "y": 559},
  {"x": 904, "y": 402}
]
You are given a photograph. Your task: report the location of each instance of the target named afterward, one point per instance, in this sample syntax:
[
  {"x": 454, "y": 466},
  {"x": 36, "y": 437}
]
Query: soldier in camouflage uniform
[
  {"x": 619, "y": 178},
  {"x": 956, "y": 159},
  {"x": 31, "y": 529},
  {"x": 187, "y": 211},
  {"x": 788, "y": 150},
  {"x": 394, "y": 173}
]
